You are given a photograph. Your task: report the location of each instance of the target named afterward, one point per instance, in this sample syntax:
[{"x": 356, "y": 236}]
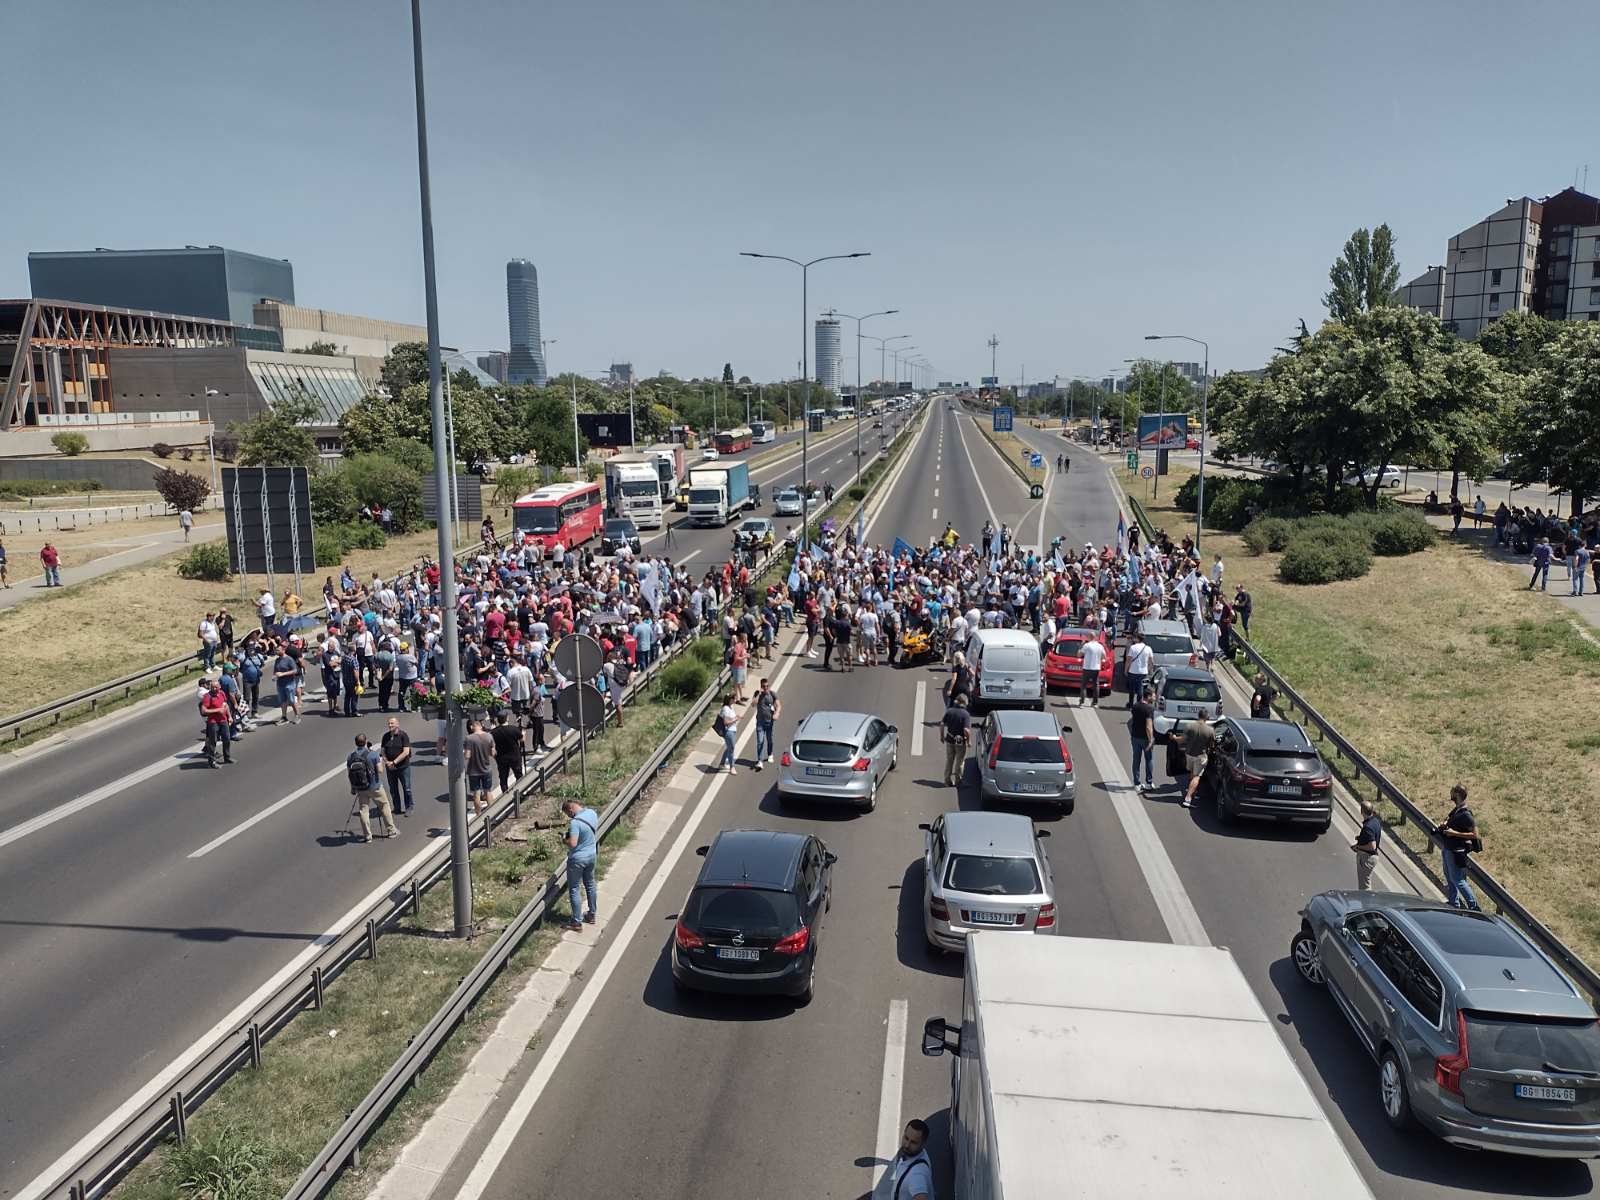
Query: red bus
[
  {"x": 731, "y": 441},
  {"x": 570, "y": 513}
]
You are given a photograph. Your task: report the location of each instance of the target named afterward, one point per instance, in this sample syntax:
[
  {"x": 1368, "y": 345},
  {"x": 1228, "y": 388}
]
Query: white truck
[
  {"x": 1123, "y": 1071},
  {"x": 633, "y": 489}
]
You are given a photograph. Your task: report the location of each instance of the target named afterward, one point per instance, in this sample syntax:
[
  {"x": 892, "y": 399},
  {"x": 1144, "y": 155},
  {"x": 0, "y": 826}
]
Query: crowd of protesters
[{"x": 1547, "y": 537}]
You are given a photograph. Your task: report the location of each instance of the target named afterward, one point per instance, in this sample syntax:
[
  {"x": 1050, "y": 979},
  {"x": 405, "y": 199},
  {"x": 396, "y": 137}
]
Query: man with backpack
[{"x": 361, "y": 769}]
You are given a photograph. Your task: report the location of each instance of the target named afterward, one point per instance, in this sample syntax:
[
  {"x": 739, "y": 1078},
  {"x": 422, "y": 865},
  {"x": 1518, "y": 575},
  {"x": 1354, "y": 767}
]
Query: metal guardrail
[
  {"x": 1142, "y": 518},
  {"x": 1360, "y": 767}
]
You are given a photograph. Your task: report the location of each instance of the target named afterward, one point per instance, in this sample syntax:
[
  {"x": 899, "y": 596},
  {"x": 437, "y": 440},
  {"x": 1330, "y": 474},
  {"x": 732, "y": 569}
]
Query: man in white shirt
[
  {"x": 910, "y": 1173},
  {"x": 266, "y": 608},
  {"x": 1094, "y": 659},
  {"x": 1137, "y": 660}
]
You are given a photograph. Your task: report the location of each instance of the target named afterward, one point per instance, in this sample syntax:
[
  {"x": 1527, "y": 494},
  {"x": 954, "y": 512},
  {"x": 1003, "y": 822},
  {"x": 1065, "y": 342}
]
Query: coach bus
[
  {"x": 731, "y": 441},
  {"x": 763, "y": 431},
  {"x": 570, "y": 513}
]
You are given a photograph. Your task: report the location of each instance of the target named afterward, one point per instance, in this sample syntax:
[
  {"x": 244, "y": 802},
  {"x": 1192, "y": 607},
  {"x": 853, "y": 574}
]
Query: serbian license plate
[
  {"x": 742, "y": 953},
  {"x": 1285, "y": 789},
  {"x": 820, "y": 772},
  {"x": 989, "y": 918},
  {"x": 1528, "y": 1091},
  {"x": 1035, "y": 788}
]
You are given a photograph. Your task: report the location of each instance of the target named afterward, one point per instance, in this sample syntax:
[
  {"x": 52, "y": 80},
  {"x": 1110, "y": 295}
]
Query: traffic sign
[
  {"x": 581, "y": 706},
  {"x": 1133, "y": 460},
  {"x": 1036, "y": 460},
  {"x": 579, "y": 657},
  {"x": 1002, "y": 420},
  {"x": 1036, "y": 491},
  {"x": 1148, "y": 472}
]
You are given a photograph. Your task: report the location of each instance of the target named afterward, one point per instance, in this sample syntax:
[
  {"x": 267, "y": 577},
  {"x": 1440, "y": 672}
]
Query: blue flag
[
  {"x": 794, "y": 576},
  {"x": 901, "y": 546}
]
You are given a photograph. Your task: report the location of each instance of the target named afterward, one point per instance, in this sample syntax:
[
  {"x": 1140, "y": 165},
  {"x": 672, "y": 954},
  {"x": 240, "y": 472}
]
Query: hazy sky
[{"x": 1066, "y": 176}]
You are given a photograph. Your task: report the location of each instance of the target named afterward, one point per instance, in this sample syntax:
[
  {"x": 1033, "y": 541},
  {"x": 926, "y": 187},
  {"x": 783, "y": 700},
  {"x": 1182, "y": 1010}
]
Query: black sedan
[
  {"x": 617, "y": 533},
  {"x": 1268, "y": 769},
  {"x": 752, "y": 920}
]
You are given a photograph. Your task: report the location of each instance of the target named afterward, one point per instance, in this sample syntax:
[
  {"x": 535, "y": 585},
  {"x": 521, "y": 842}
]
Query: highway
[
  {"x": 144, "y": 897},
  {"x": 710, "y": 1098}
]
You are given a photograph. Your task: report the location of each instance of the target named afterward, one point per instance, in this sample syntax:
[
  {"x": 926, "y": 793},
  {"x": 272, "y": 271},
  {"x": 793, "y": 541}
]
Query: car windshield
[
  {"x": 1502, "y": 1042},
  {"x": 740, "y": 909},
  {"x": 1168, "y": 643},
  {"x": 544, "y": 519},
  {"x": 704, "y": 495},
  {"x": 984, "y": 875},
  {"x": 1203, "y": 690},
  {"x": 1031, "y": 750},
  {"x": 641, "y": 488},
  {"x": 788, "y": 494},
  {"x": 824, "y": 752},
  {"x": 620, "y": 529}
]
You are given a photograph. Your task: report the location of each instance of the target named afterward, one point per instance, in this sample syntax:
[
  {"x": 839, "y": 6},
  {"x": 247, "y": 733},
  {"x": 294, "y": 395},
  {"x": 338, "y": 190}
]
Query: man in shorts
[
  {"x": 1198, "y": 738},
  {"x": 480, "y": 766}
]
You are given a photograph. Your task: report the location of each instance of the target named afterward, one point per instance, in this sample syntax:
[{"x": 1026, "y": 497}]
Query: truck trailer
[
  {"x": 669, "y": 464},
  {"x": 719, "y": 491},
  {"x": 1112, "y": 1070}
]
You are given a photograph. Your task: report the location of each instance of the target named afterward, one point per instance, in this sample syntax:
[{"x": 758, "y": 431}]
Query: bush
[
  {"x": 1392, "y": 534},
  {"x": 685, "y": 678},
  {"x": 377, "y": 479},
  {"x": 1325, "y": 555},
  {"x": 333, "y": 542},
  {"x": 186, "y": 453},
  {"x": 363, "y": 535},
  {"x": 708, "y": 652},
  {"x": 1266, "y": 534},
  {"x": 24, "y": 489},
  {"x": 161, "y": 450},
  {"x": 181, "y": 489},
  {"x": 69, "y": 443},
  {"x": 856, "y": 491},
  {"x": 225, "y": 446},
  {"x": 417, "y": 456},
  {"x": 208, "y": 561},
  {"x": 333, "y": 502},
  {"x": 1231, "y": 503}
]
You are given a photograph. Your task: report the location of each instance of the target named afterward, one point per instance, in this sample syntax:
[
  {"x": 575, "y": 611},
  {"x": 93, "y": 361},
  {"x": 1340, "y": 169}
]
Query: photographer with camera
[{"x": 1459, "y": 835}]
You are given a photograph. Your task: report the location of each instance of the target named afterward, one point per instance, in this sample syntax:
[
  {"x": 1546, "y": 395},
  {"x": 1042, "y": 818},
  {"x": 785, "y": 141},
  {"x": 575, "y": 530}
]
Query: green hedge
[
  {"x": 1387, "y": 533},
  {"x": 208, "y": 561},
  {"x": 1324, "y": 556},
  {"x": 27, "y": 489},
  {"x": 685, "y": 678},
  {"x": 334, "y": 542},
  {"x": 707, "y": 651}
]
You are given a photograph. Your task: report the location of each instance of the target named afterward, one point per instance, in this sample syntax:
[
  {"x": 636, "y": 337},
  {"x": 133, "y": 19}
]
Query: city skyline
[{"x": 1033, "y": 206}]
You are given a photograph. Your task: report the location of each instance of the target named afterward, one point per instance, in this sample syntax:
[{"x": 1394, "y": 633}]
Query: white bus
[{"x": 764, "y": 431}]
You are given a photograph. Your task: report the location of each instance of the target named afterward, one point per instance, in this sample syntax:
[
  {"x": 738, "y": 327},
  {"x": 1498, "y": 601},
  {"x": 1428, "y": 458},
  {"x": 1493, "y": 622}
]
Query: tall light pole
[
  {"x": 460, "y": 878},
  {"x": 858, "y": 320},
  {"x": 883, "y": 353},
  {"x": 896, "y": 354},
  {"x": 805, "y": 350},
  {"x": 211, "y": 446},
  {"x": 1205, "y": 381}
]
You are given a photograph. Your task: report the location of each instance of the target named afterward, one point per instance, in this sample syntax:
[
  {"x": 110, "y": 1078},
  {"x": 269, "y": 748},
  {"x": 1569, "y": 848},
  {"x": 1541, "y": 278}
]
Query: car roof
[
  {"x": 1021, "y": 722},
  {"x": 764, "y": 858},
  {"x": 1074, "y": 631},
  {"x": 619, "y": 521},
  {"x": 1162, "y": 625},
  {"x": 1263, "y": 734},
  {"x": 1005, "y": 637},
  {"x": 1188, "y": 674},
  {"x": 827, "y": 724},
  {"x": 1006, "y": 834}
]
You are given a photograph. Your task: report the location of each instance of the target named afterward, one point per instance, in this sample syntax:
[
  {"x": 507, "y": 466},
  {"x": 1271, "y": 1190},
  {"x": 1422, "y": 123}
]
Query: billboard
[
  {"x": 267, "y": 511},
  {"x": 468, "y": 496},
  {"x": 989, "y": 381},
  {"x": 1171, "y": 430},
  {"x": 607, "y": 430},
  {"x": 1002, "y": 420}
]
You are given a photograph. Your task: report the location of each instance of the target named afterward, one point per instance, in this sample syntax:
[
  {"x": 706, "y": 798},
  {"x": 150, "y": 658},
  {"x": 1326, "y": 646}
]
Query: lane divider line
[
  {"x": 889, "y": 1090},
  {"x": 89, "y": 799},
  {"x": 918, "y": 716},
  {"x": 305, "y": 788}
]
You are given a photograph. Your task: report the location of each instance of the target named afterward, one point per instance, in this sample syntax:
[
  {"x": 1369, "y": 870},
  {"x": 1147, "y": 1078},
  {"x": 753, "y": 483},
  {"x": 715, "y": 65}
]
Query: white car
[
  {"x": 787, "y": 503},
  {"x": 1391, "y": 477},
  {"x": 709, "y": 452}
]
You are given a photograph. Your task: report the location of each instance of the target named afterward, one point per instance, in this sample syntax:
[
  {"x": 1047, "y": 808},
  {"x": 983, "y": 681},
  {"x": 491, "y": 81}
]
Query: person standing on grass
[
  {"x": 1581, "y": 557},
  {"x": 583, "y": 843},
  {"x": 266, "y": 609},
  {"x": 1458, "y": 837},
  {"x": 397, "y": 766},
  {"x": 768, "y": 706},
  {"x": 5, "y": 578},
  {"x": 210, "y": 638},
  {"x": 480, "y": 766},
  {"x": 1366, "y": 846},
  {"x": 1241, "y": 606},
  {"x": 1456, "y": 512},
  {"x": 1542, "y": 554},
  {"x": 185, "y": 522}
]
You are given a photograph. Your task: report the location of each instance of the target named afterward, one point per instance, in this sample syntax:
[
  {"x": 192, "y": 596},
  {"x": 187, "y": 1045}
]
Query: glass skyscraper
[{"x": 522, "y": 307}]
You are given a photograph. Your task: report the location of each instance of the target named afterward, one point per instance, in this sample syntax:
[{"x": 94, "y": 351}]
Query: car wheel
[
  {"x": 1325, "y": 826},
  {"x": 804, "y": 997},
  {"x": 894, "y": 758},
  {"x": 1392, "y": 1092},
  {"x": 1307, "y": 958},
  {"x": 871, "y": 802},
  {"x": 1224, "y": 813}
]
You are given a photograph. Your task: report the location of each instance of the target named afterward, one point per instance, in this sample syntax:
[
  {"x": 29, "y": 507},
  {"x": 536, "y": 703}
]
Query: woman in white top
[{"x": 728, "y": 719}]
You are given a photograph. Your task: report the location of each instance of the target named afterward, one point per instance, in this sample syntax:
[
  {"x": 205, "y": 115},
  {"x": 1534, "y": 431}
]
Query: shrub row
[
  {"x": 1323, "y": 548},
  {"x": 334, "y": 541},
  {"x": 26, "y": 489}
]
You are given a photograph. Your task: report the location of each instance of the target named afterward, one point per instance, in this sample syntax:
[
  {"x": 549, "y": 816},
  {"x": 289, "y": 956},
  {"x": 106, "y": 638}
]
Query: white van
[{"x": 1007, "y": 670}]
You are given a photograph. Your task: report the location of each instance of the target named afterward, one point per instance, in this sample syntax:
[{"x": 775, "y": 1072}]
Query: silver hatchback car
[
  {"x": 1169, "y": 641},
  {"x": 1478, "y": 1035},
  {"x": 838, "y": 756},
  {"x": 984, "y": 870},
  {"x": 1023, "y": 756}
]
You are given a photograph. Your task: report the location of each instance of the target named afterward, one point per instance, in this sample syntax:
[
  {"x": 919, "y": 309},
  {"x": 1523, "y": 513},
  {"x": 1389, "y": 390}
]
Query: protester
[
  {"x": 361, "y": 769},
  {"x": 50, "y": 559},
  {"x": 1366, "y": 845},
  {"x": 396, "y": 748},
  {"x": 582, "y": 850}
]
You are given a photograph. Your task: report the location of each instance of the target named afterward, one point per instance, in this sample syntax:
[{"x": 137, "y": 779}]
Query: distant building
[
  {"x": 212, "y": 282},
  {"x": 365, "y": 339},
  {"x": 1426, "y": 292},
  {"x": 1191, "y": 371},
  {"x": 828, "y": 352},
  {"x": 621, "y": 375},
  {"x": 526, "y": 362},
  {"x": 1583, "y": 289},
  {"x": 1559, "y": 274},
  {"x": 496, "y": 364}
]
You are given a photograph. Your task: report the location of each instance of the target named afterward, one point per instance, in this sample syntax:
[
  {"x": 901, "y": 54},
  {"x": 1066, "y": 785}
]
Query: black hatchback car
[
  {"x": 751, "y": 921},
  {"x": 617, "y": 533},
  {"x": 1269, "y": 769}
]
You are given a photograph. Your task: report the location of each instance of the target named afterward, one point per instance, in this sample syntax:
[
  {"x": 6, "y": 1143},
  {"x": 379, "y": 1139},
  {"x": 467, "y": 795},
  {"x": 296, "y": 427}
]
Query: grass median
[
  {"x": 1013, "y": 449},
  {"x": 1441, "y": 669}
]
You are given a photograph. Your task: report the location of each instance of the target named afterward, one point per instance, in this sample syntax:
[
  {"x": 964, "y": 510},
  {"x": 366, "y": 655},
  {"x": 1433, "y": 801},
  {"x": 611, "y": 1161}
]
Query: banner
[
  {"x": 1170, "y": 430},
  {"x": 901, "y": 546}
]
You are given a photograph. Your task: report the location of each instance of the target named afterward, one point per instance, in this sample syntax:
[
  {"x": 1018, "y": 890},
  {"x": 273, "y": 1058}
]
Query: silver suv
[
  {"x": 838, "y": 756},
  {"x": 1479, "y": 1037},
  {"x": 1023, "y": 756},
  {"x": 984, "y": 870}
]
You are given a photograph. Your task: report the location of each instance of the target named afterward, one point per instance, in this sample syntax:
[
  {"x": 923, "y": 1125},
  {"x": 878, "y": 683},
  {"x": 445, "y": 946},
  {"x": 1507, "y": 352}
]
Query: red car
[{"x": 1063, "y": 665}]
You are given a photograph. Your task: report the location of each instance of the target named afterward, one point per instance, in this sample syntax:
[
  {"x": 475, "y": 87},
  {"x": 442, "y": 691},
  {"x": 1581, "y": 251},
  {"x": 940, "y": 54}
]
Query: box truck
[
  {"x": 633, "y": 489},
  {"x": 1112, "y": 1070},
  {"x": 717, "y": 492},
  {"x": 669, "y": 464}
]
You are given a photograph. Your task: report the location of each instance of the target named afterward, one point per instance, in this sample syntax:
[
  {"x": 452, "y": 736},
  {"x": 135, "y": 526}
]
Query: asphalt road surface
[
  {"x": 709, "y": 1098},
  {"x": 143, "y": 895}
]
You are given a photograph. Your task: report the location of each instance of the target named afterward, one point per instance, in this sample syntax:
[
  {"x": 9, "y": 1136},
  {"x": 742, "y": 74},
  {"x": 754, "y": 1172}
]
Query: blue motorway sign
[
  {"x": 1036, "y": 460},
  {"x": 1002, "y": 420}
]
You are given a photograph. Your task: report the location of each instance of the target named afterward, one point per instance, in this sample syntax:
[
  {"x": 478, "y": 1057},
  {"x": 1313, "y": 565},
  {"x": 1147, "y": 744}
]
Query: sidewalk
[{"x": 142, "y": 549}]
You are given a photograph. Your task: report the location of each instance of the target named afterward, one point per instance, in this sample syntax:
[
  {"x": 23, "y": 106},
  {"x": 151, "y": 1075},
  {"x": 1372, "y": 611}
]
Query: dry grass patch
[
  {"x": 85, "y": 543},
  {"x": 1441, "y": 669},
  {"x": 1012, "y": 448}
]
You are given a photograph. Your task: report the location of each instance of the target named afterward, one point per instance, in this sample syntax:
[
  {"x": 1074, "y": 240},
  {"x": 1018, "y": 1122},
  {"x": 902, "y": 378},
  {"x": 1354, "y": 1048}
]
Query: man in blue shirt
[
  {"x": 644, "y": 641},
  {"x": 1366, "y": 845},
  {"x": 582, "y": 844}
]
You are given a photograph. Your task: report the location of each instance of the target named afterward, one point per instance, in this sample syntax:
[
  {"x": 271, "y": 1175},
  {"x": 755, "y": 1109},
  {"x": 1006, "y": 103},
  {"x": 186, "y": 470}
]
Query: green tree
[
  {"x": 1517, "y": 340},
  {"x": 1366, "y": 276},
  {"x": 1161, "y": 387},
  {"x": 319, "y": 347},
  {"x": 376, "y": 421},
  {"x": 1556, "y": 435},
  {"x": 279, "y": 437},
  {"x": 405, "y": 365},
  {"x": 727, "y": 372}
]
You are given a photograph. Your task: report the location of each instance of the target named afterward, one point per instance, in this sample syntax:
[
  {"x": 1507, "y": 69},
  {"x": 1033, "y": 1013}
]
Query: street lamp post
[
  {"x": 211, "y": 446},
  {"x": 460, "y": 877},
  {"x": 897, "y": 353},
  {"x": 1205, "y": 383},
  {"x": 858, "y": 320},
  {"x": 805, "y": 350}
]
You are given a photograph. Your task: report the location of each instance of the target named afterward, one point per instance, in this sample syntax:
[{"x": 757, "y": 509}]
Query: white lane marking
[
  {"x": 935, "y": 493},
  {"x": 266, "y": 812},
  {"x": 894, "y": 1060},
  {"x": 688, "y": 556},
  {"x": 1160, "y": 875},
  {"x": 233, "y": 1021},
  {"x": 1044, "y": 507},
  {"x": 516, "y": 1117},
  {"x": 973, "y": 467},
  {"x": 935, "y": 512},
  {"x": 89, "y": 799},
  {"x": 918, "y": 716}
]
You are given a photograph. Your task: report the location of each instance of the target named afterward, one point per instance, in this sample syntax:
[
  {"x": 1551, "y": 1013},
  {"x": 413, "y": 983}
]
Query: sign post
[
  {"x": 1002, "y": 419},
  {"x": 1133, "y": 460},
  {"x": 579, "y": 658}
]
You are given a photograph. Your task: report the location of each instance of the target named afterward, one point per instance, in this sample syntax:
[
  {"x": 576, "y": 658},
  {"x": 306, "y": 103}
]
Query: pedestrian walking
[
  {"x": 50, "y": 559},
  {"x": 508, "y": 750},
  {"x": 219, "y": 721},
  {"x": 185, "y": 522},
  {"x": 955, "y": 731},
  {"x": 1581, "y": 558},
  {"x": 768, "y": 706},
  {"x": 1542, "y": 553},
  {"x": 739, "y": 662},
  {"x": 396, "y": 748},
  {"x": 1458, "y": 838},
  {"x": 5, "y": 576},
  {"x": 361, "y": 769},
  {"x": 1198, "y": 738},
  {"x": 726, "y": 721},
  {"x": 1366, "y": 846},
  {"x": 479, "y": 747},
  {"x": 1142, "y": 736},
  {"x": 910, "y": 1172},
  {"x": 583, "y": 843},
  {"x": 1456, "y": 512},
  {"x": 286, "y": 678}
]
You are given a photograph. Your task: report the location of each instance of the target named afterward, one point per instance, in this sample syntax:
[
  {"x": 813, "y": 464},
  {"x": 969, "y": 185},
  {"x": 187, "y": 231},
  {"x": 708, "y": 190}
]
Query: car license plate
[
  {"x": 820, "y": 772},
  {"x": 742, "y": 953},
  {"x": 1528, "y": 1091},
  {"x": 989, "y": 918},
  {"x": 1285, "y": 789},
  {"x": 1034, "y": 787}
]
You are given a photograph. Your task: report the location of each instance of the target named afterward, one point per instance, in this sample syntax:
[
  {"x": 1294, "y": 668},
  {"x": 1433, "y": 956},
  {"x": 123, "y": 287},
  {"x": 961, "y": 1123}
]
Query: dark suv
[
  {"x": 751, "y": 921},
  {"x": 1269, "y": 769}
]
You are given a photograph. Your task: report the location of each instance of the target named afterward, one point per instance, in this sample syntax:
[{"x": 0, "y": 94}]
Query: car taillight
[
  {"x": 994, "y": 753},
  {"x": 1245, "y": 775},
  {"x": 687, "y": 938},
  {"x": 1066, "y": 755},
  {"x": 939, "y": 909},
  {"x": 785, "y": 759},
  {"x": 1448, "y": 1068},
  {"x": 795, "y": 943},
  {"x": 1323, "y": 784},
  {"x": 1047, "y": 916},
  {"x": 861, "y": 764}
]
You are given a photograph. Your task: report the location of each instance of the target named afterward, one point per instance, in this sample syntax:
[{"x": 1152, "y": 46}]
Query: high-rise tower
[
  {"x": 828, "y": 352},
  {"x": 527, "y": 363}
]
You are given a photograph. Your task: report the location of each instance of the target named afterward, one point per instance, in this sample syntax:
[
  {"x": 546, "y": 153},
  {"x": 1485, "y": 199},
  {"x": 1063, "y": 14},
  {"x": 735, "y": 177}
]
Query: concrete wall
[
  {"x": 32, "y": 442},
  {"x": 145, "y": 380},
  {"x": 114, "y": 474}
]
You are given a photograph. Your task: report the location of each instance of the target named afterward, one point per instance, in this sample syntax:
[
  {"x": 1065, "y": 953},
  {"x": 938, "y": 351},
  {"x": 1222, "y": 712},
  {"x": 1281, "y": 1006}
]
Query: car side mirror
[
  {"x": 936, "y": 1033},
  {"x": 830, "y": 857},
  {"x": 894, "y": 729},
  {"x": 925, "y": 826},
  {"x": 702, "y": 851}
]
